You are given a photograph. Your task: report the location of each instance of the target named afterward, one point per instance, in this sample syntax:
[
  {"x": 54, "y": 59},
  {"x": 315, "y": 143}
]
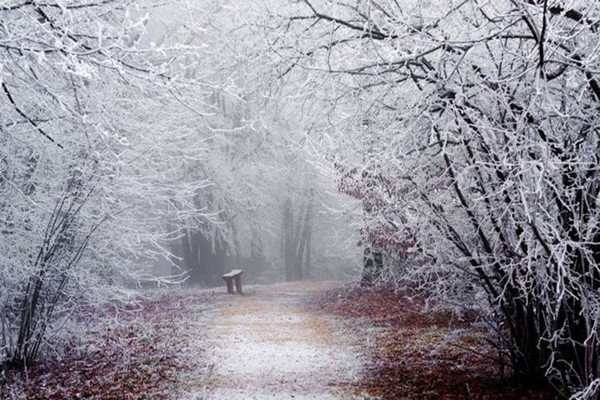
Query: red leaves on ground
[
  {"x": 136, "y": 353},
  {"x": 419, "y": 354}
]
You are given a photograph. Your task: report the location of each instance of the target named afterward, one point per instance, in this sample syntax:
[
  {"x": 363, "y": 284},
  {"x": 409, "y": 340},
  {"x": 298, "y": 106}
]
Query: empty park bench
[{"x": 229, "y": 277}]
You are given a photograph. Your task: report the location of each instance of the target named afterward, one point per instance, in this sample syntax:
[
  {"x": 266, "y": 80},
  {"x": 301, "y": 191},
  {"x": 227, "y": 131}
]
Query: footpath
[{"x": 267, "y": 345}]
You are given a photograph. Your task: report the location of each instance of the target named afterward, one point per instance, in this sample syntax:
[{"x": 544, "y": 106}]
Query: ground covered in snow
[
  {"x": 288, "y": 341},
  {"x": 268, "y": 345}
]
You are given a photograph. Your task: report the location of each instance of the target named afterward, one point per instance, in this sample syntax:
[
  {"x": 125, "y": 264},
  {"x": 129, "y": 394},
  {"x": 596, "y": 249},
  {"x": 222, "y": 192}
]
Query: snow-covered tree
[
  {"x": 95, "y": 163},
  {"x": 472, "y": 127}
]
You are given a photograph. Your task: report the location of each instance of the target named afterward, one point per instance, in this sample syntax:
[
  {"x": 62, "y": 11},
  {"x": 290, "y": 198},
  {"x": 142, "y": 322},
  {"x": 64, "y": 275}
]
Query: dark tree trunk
[
  {"x": 296, "y": 241},
  {"x": 204, "y": 262},
  {"x": 212, "y": 262},
  {"x": 372, "y": 267}
]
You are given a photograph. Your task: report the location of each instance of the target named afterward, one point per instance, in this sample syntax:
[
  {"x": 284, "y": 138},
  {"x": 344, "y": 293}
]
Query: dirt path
[{"x": 266, "y": 345}]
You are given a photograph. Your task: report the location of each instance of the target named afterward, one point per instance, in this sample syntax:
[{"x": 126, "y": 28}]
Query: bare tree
[
  {"x": 91, "y": 160},
  {"x": 483, "y": 116}
]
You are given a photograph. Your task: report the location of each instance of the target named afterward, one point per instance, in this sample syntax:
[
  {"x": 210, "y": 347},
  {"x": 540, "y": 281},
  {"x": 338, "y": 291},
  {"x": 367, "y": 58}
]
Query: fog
[{"x": 445, "y": 148}]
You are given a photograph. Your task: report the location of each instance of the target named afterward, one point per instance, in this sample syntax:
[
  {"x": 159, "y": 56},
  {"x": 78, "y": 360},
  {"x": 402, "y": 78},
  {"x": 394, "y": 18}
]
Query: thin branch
[{"x": 31, "y": 121}]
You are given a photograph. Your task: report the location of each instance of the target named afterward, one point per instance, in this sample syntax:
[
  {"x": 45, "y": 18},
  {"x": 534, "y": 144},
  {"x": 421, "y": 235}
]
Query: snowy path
[{"x": 266, "y": 345}]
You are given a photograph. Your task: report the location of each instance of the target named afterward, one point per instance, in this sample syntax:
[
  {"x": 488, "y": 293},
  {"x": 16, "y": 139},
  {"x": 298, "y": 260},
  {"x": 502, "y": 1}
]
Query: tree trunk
[
  {"x": 296, "y": 242},
  {"x": 372, "y": 267}
]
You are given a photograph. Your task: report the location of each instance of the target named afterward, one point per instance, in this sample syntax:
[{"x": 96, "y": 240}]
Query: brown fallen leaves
[
  {"x": 415, "y": 354},
  {"x": 141, "y": 352},
  {"x": 136, "y": 353}
]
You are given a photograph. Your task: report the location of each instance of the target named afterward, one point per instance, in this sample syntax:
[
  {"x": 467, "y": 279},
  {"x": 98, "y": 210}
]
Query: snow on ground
[{"x": 266, "y": 345}]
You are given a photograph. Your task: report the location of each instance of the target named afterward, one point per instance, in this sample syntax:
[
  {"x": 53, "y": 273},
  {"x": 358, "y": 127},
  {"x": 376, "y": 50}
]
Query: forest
[{"x": 411, "y": 188}]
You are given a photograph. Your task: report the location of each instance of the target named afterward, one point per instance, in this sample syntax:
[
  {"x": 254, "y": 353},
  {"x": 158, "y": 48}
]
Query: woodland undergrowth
[
  {"x": 140, "y": 351},
  {"x": 419, "y": 351}
]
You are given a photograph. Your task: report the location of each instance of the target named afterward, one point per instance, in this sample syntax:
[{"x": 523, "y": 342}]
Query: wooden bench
[{"x": 229, "y": 277}]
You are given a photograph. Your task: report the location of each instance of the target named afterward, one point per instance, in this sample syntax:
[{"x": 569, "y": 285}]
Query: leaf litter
[
  {"x": 287, "y": 341},
  {"x": 417, "y": 353},
  {"x": 137, "y": 352}
]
